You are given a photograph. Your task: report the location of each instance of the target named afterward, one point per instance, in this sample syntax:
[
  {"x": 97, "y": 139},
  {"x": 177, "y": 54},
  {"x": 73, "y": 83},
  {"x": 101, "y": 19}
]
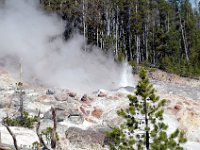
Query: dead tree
[
  {"x": 53, "y": 133},
  {"x": 41, "y": 140},
  {"x": 13, "y": 136},
  {"x": 21, "y": 98},
  {"x": 184, "y": 37}
]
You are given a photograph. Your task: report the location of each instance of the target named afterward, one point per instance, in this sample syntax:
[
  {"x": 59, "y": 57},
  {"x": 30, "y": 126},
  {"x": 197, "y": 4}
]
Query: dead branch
[
  {"x": 13, "y": 136},
  {"x": 40, "y": 135},
  {"x": 53, "y": 134}
]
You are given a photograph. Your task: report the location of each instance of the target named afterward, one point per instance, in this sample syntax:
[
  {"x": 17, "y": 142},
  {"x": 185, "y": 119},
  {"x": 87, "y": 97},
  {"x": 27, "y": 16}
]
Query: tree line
[{"x": 159, "y": 33}]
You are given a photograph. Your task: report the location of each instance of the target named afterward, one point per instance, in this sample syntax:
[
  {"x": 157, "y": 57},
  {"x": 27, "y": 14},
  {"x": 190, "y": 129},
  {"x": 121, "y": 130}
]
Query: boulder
[
  {"x": 177, "y": 107},
  {"x": 84, "y": 138},
  {"x": 84, "y": 98},
  {"x": 84, "y": 111},
  {"x": 50, "y": 92},
  {"x": 91, "y": 119},
  {"x": 76, "y": 118},
  {"x": 72, "y": 94},
  {"x": 61, "y": 96},
  {"x": 102, "y": 94},
  {"x": 97, "y": 112}
]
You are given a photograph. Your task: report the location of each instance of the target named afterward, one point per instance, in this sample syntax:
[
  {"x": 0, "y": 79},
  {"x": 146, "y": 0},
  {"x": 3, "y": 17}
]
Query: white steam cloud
[{"x": 30, "y": 36}]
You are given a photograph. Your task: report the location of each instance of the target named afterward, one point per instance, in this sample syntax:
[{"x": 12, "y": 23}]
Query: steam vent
[{"x": 99, "y": 75}]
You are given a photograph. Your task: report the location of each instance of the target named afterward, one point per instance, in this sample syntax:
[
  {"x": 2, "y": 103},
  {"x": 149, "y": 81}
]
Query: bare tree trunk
[
  {"x": 146, "y": 39},
  {"x": 20, "y": 88},
  {"x": 21, "y": 102},
  {"x": 49, "y": 4},
  {"x": 154, "y": 57},
  {"x": 137, "y": 39},
  {"x": 53, "y": 135},
  {"x": 168, "y": 28},
  {"x": 138, "y": 54},
  {"x": 101, "y": 39},
  {"x": 116, "y": 33},
  {"x": 97, "y": 36},
  {"x": 13, "y": 136},
  {"x": 129, "y": 34},
  {"x": 84, "y": 24},
  {"x": 147, "y": 137},
  {"x": 40, "y": 135},
  {"x": 184, "y": 39},
  {"x": 107, "y": 21},
  {"x": 147, "y": 33}
]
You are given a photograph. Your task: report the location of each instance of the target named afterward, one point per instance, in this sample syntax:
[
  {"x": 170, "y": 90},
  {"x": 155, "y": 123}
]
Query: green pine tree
[{"x": 144, "y": 127}]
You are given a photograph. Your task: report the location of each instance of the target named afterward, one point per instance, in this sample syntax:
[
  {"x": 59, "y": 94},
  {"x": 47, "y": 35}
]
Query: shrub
[{"x": 27, "y": 121}]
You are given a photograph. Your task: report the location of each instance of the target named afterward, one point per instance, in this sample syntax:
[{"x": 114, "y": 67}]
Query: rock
[
  {"x": 61, "y": 115},
  {"x": 61, "y": 112},
  {"x": 71, "y": 94},
  {"x": 91, "y": 119},
  {"x": 102, "y": 94},
  {"x": 45, "y": 98},
  {"x": 84, "y": 138},
  {"x": 84, "y": 111},
  {"x": 113, "y": 97},
  {"x": 76, "y": 118},
  {"x": 177, "y": 107},
  {"x": 84, "y": 98},
  {"x": 61, "y": 96},
  {"x": 97, "y": 113},
  {"x": 50, "y": 92},
  {"x": 87, "y": 100}
]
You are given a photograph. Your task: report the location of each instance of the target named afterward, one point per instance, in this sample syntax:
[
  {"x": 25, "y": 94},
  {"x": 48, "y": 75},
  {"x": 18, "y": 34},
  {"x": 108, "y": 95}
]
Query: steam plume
[{"x": 29, "y": 35}]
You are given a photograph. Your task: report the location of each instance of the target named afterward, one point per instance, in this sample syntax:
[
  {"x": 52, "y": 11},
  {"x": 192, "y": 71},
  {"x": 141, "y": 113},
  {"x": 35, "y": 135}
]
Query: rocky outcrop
[
  {"x": 88, "y": 139},
  {"x": 173, "y": 78},
  {"x": 82, "y": 116},
  {"x": 187, "y": 113}
]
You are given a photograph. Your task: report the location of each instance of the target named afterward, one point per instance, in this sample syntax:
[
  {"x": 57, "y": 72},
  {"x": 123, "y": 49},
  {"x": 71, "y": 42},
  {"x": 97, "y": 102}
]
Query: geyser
[{"x": 27, "y": 33}]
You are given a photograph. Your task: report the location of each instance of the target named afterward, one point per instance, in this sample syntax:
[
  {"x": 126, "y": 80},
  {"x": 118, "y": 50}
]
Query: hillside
[{"x": 98, "y": 110}]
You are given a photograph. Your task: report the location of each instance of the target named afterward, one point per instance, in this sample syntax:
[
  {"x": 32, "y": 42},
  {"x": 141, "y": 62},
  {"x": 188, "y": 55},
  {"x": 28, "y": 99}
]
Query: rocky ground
[{"x": 82, "y": 119}]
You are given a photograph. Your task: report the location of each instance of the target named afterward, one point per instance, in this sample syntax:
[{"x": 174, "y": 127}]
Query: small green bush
[
  {"x": 47, "y": 133},
  {"x": 27, "y": 121},
  {"x": 36, "y": 145}
]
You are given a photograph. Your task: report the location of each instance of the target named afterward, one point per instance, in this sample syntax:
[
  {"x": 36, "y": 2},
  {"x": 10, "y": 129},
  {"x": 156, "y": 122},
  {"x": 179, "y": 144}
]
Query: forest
[{"x": 162, "y": 34}]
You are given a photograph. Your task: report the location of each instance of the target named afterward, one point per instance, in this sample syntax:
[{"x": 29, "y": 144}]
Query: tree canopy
[{"x": 160, "y": 33}]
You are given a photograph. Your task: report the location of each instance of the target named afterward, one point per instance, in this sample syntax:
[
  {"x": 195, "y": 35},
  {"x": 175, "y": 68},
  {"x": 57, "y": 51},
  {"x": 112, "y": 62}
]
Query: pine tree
[{"x": 144, "y": 127}]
